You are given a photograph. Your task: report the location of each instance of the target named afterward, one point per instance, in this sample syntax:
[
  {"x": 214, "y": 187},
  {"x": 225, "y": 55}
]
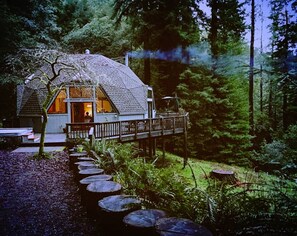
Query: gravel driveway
[{"x": 40, "y": 197}]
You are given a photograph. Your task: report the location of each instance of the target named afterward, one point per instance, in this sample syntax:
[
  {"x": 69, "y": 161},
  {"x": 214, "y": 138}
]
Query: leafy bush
[
  {"x": 70, "y": 143},
  {"x": 253, "y": 209},
  {"x": 250, "y": 207},
  {"x": 279, "y": 156},
  {"x": 9, "y": 142},
  {"x": 291, "y": 137}
]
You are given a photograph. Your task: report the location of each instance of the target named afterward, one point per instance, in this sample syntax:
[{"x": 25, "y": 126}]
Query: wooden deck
[{"x": 129, "y": 130}]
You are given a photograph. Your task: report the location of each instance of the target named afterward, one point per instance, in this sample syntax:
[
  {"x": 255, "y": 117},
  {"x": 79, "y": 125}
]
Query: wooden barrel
[
  {"x": 83, "y": 183},
  {"x": 142, "y": 222},
  {"x": 89, "y": 172},
  {"x": 98, "y": 190},
  {"x": 73, "y": 158},
  {"x": 173, "y": 226},
  {"x": 113, "y": 209}
]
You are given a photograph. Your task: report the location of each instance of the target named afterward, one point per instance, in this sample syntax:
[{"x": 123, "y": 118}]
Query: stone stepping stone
[
  {"x": 89, "y": 172},
  {"x": 98, "y": 190},
  {"x": 173, "y": 226},
  {"x": 83, "y": 183},
  {"x": 93, "y": 178},
  {"x": 76, "y": 164},
  {"x": 76, "y": 168},
  {"x": 86, "y": 165},
  {"x": 85, "y": 159},
  {"x": 73, "y": 158},
  {"x": 113, "y": 209},
  {"x": 142, "y": 222}
]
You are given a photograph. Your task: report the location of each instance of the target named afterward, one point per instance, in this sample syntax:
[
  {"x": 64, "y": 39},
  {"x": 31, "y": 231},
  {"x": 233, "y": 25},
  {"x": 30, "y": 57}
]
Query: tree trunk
[
  {"x": 43, "y": 127},
  {"x": 285, "y": 109},
  {"x": 286, "y": 71},
  {"x": 261, "y": 89},
  {"x": 251, "y": 73},
  {"x": 270, "y": 100},
  {"x": 44, "y": 122},
  {"x": 147, "y": 63},
  {"x": 261, "y": 66},
  {"x": 214, "y": 32}
]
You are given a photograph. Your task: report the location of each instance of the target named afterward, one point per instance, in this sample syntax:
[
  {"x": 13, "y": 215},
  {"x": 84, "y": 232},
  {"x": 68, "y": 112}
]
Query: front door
[{"x": 81, "y": 112}]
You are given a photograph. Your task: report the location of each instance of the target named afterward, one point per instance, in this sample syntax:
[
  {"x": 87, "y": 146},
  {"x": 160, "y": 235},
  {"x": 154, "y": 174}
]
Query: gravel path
[{"x": 40, "y": 197}]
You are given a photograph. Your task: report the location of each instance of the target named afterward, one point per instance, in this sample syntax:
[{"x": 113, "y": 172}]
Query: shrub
[
  {"x": 9, "y": 142},
  {"x": 252, "y": 207},
  {"x": 279, "y": 156}
]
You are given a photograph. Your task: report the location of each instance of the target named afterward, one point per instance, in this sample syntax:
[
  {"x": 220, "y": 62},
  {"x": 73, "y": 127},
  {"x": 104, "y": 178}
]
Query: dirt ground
[{"x": 40, "y": 197}]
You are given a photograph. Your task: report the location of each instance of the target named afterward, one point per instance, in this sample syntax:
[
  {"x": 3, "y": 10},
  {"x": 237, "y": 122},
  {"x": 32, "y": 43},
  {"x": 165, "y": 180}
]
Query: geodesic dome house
[{"x": 91, "y": 88}]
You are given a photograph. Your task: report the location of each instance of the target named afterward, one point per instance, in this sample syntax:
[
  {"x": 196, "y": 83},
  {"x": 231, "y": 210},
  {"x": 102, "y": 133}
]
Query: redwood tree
[{"x": 251, "y": 71}]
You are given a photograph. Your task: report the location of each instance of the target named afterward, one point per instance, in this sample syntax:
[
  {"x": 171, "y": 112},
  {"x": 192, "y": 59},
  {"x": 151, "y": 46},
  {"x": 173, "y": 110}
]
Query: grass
[
  {"x": 202, "y": 169},
  {"x": 253, "y": 202}
]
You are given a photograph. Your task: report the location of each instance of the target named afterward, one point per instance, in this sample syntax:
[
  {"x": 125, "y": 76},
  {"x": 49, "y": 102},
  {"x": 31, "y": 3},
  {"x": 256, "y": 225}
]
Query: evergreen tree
[
  {"x": 24, "y": 24},
  {"x": 99, "y": 34},
  {"x": 251, "y": 71},
  {"x": 74, "y": 14},
  {"x": 226, "y": 26},
  {"x": 161, "y": 25},
  {"x": 284, "y": 39},
  {"x": 218, "y": 114}
]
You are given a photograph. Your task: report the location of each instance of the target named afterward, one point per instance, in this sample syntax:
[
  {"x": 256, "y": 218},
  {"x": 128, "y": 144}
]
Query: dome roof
[{"x": 124, "y": 89}]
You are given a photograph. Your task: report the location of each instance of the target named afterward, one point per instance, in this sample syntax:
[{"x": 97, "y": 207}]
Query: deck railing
[{"x": 129, "y": 129}]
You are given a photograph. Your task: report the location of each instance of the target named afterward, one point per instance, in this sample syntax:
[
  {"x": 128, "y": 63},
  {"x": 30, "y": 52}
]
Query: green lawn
[{"x": 202, "y": 169}]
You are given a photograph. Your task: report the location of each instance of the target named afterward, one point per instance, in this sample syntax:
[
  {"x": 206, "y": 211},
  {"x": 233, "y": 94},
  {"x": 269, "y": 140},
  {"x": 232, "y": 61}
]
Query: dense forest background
[{"x": 241, "y": 99}]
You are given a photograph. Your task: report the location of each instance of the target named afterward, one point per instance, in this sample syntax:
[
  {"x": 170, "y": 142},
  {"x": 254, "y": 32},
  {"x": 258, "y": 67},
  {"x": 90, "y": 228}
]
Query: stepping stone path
[{"x": 119, "y": 214}]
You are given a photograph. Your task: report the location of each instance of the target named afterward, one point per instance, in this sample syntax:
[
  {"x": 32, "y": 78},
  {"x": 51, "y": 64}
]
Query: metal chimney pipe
[{"x": 127, "y": 59}]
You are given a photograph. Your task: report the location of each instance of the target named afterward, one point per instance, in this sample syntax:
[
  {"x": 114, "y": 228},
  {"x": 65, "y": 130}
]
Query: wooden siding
[{"x": 56, "y": 123}]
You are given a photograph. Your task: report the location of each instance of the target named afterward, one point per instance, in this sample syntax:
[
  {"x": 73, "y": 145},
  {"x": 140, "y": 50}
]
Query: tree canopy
[{"x": 191, "y": 48}]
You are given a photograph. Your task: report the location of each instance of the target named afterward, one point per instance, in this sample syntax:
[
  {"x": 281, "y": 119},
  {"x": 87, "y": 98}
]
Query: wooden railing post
[
  {"x": 91, "y": 136},
  {"x": 185, "y": 141},
  {"x": 173, "y": 124},
  {"x": 135, "y": 128},
  {"x": 150, "y": 127},
  {"x": 162, "y": 126},
  {"x": 67, "y": 131},
  {"x": 120, "y": 130}
]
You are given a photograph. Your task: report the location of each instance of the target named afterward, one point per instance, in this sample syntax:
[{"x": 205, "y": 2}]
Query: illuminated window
[
  {"x": 59, "y": 106},
  {"x": 102, "y": 103},
  {"x": 81, "y": 92}
]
